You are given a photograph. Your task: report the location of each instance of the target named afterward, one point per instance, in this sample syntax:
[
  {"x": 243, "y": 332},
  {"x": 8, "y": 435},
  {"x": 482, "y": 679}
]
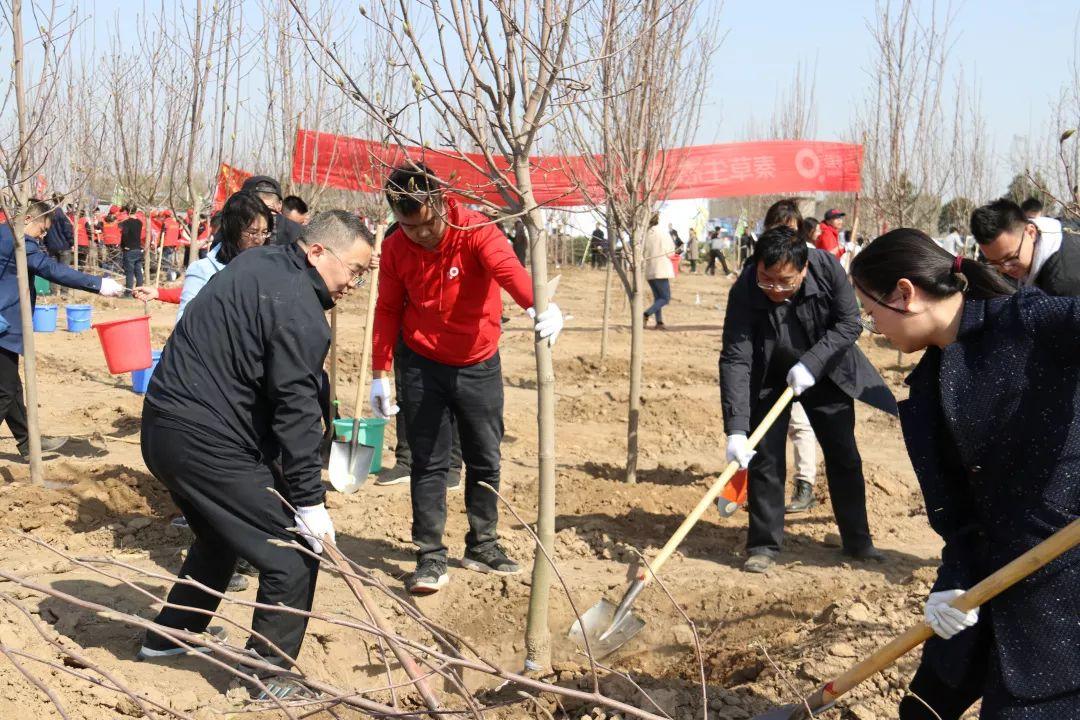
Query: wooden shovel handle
[
  {"x": 1054, "y": 546},
  {"x": 717, "y": 487},
  {"x": 365, "y": 351}
]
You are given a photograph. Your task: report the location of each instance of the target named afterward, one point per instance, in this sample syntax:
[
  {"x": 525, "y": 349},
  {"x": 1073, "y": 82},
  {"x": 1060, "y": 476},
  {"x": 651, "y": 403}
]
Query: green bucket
[
  {"x": 372, "y": 431},
  {"x": 42, "y": 286}
]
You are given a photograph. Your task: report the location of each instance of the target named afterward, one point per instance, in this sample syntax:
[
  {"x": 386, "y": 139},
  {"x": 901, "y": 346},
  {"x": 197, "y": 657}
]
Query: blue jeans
[
  {"x": 133, "y": 268},
  {"x": 661, "y": 290}
]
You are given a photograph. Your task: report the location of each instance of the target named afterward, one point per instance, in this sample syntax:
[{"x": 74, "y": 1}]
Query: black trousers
[
  {"x": 435, "y": 395},
  {"x": 832, "y": 415},
  {"x": 223, "y": 493},
  {"x": 402, "y": 452},
  {"x": 12, "y": 405}
]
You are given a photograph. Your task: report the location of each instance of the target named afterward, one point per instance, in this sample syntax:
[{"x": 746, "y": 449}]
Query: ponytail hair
[{"x": 909, "y": 253}]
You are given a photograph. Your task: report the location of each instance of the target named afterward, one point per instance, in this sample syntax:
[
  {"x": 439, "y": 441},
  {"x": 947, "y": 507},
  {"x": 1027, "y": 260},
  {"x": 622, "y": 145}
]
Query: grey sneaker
[
  {"x": 48, "y": 444},
  {"x": 491, "y": 559},
  {"x": 156, "y": 646},
  {"x": 396, "y": 475},
  {"x": 758, "y": 563},
  {"x": 430, "y": 577},
  {"x": 237, "y": 583},
  {"x": 243, "y": 567}
]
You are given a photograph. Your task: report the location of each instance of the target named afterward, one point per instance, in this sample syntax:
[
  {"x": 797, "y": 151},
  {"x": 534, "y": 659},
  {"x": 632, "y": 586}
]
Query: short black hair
[
  {"x": 294, "y": 203},
  {"x": 1032, "y": 205},
  {"x": 783, "y": 212},
  {"x": 954, "y": 229},
  {"x": 411, "y": 186},
  {"x": 780, "y": 245},
  {"x": 989, "y": 221}
]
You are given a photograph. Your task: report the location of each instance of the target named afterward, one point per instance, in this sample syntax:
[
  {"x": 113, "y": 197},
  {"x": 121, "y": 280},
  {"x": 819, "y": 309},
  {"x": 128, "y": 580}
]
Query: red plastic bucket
[{"x": 126, "y": 344}]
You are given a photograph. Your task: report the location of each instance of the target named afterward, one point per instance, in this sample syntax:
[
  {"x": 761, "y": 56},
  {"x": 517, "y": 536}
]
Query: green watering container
[
  {"x": 42, "y": 286},
  {"x": 372, "y": 431}
]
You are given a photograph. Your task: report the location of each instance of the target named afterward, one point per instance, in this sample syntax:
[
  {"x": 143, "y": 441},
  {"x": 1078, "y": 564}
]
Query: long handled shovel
[
  {"x": 350, "y": 462},
  {"x": 826, "y": 696},
  {"x": 608, "y": 627}
]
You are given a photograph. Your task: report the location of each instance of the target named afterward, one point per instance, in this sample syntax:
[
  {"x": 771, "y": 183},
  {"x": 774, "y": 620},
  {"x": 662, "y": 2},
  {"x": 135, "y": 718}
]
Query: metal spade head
[
  {"x": 604, "y": 638},
  {"x": 349, "y": 465},
  {"x": 784, "y": 712}
]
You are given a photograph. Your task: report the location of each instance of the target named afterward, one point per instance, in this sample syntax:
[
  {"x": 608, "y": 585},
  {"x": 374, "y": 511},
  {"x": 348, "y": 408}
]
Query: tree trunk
[
  {"x": 537, "y": 632},
  {"x": 607, "y": 311},
  {"x": 18, "y": 228},
  {"x": 637, "y": 352}
]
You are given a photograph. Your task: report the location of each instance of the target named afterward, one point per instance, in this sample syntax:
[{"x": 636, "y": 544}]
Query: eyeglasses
[
  {"x": 256, "y": 233},
  {"x": 1012, "y": 260},
  {"x": 356, "y": 277},
  {"x": 867, "y": 321},
  {"x": 777, "y": 287}
]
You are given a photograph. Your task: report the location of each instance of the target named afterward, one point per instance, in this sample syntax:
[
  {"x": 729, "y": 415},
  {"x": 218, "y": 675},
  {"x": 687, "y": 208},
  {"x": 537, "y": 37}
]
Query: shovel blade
[
  {"x": 349, "y": 470},
  {"x": 604, "y": 638},
  {"x": 784, "y": 712}
]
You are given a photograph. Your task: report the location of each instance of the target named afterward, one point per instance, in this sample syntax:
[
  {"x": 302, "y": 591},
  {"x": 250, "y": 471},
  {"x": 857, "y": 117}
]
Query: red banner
[
  {"x": 229, "y": 181},
  {"x": 702, "y": 171}
]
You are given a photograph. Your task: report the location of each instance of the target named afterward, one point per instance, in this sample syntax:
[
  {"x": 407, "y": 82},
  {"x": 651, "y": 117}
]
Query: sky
[{"x": 1019, "y": 54}]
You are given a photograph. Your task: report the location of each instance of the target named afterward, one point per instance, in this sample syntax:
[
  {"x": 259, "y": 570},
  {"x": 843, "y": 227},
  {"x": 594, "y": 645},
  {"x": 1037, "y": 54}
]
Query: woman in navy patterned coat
[{"x": 991, "y": 428}]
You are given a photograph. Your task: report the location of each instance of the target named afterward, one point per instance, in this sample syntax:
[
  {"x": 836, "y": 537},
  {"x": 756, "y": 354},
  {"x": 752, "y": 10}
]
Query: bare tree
[{"x": 647, "y": 103}]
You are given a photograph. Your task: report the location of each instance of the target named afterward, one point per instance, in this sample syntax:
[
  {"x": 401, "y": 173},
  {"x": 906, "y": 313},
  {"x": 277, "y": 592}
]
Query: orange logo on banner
[{"x": 230, "y": 180}]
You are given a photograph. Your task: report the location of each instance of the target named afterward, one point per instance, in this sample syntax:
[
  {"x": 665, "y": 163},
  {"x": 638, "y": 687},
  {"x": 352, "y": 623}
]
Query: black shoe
[
  {"x": 243, "y": 567},
  {"x": 430, "y": 577},
  {"x": 645, "y": 323},
  {"x": 491, "y": 559},
  {"x": 802, "y": 500},
  {"x": 396, "y": 475},
  {"x": 48, "y": 444},
  {"x": 759, "y": 563},
  {"x": 237, "y": 583},
  {"x": 156, "y": 646},
  {"x": 866, "y": 554}
]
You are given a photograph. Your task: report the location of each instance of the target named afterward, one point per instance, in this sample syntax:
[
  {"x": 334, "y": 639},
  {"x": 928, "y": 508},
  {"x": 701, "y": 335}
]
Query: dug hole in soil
[{"x": 763, "y": 639}]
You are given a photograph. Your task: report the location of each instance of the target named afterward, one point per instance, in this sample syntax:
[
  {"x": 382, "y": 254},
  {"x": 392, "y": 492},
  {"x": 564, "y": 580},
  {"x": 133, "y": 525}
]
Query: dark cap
[
  {"x": 262, "y": 184},
  {"x": 834, "y": 213}
]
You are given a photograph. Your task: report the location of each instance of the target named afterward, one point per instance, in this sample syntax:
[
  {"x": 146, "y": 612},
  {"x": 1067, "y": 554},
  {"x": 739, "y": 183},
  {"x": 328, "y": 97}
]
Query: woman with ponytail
[{"x": 990, "y": 426}]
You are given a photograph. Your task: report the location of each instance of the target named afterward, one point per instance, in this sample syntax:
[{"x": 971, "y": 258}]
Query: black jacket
[
  {"x": 991, "y": 429},
  {"x": 828, "y": 312},
  {"x": 61, "y": 235},
  {"x": 286, "y": 232},
  {"x": 245, "y": 363},
  {"x": 1060, "y": 274}
]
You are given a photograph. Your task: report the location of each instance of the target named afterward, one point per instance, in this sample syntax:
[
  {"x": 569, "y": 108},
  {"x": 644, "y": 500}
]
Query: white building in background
[{"x": 683, "y": 214}]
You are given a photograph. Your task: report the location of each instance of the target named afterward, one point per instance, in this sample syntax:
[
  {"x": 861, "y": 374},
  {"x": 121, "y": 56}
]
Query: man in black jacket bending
[
  {"x": 792, "y": 320},
  {"x": 1032, "y": 251},
  {"x": 237, "y": 387}
]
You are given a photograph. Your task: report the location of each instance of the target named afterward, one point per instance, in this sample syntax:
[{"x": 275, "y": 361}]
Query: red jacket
[
  {"x": 445, "y": 303},
  {"x": 829, "y": 241}
]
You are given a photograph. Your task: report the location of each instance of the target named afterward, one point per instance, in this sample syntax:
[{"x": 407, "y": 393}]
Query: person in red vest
[{"x": 829, "y": 240}]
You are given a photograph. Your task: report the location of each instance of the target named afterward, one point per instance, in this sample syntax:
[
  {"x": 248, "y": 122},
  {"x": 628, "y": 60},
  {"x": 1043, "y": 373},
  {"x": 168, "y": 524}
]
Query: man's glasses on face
[
  {"x": 356, "y": 277},
  {"x": 1013, "y": 259},
  {"x": 778, "y": 287}
]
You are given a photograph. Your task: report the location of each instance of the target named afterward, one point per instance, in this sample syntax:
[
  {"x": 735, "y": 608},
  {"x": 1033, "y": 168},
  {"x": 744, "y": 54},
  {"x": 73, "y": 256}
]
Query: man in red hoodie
[
  {"x": 829, "y": 240},
  {"x": 439, "y": 277}
]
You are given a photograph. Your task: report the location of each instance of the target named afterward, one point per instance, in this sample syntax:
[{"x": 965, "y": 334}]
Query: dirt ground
[{"x": 764, "y": 638}]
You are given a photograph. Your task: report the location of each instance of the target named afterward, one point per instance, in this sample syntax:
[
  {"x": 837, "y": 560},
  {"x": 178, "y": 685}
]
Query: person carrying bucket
[
  {"x": 258, "y": 336},
  {"x": 39, "y": 217},
  {"x": 439, "y": 279},
  {"x": 990, "y": 427},
  {"x": 792, "y": 322}
]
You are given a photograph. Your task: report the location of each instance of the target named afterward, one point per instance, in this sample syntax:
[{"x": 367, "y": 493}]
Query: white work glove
[
  {"x": 314, "y": 522},
  {"x": 738, "y": 451},
  {"x": 800, "y": 379},
  {"x": 548, "y": 323},
  {"x": 110, "y": 288},
  {"x": 380, "y": 399},
  {"x": 946, "y": 620}
]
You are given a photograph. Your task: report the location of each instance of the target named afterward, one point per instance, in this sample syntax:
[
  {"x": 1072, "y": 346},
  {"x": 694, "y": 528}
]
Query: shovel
[
  {"x": 607, "y": 627},
  {"x": 826, "y": 696},
  {"x": 350, "y": 461}
]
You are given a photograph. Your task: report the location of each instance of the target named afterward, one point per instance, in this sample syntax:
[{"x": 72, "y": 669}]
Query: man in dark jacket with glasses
[{"x": 792, "y": 321}]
